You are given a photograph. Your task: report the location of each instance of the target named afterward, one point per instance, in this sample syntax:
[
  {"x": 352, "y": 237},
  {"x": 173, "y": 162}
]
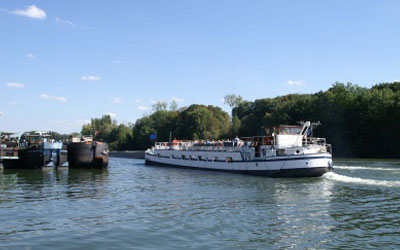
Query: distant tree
[
  {"x": 173, "y": 105},
  {"x": 160, "y": 105},
  {"x": 233, "y": 101}
]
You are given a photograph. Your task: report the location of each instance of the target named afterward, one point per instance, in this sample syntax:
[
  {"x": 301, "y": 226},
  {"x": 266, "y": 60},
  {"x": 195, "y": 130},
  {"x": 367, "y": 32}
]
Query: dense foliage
[
  {"x": 358, "y": 122},
  {"x": 105, "y": 129},
  {"x": 193, "y": 122}
]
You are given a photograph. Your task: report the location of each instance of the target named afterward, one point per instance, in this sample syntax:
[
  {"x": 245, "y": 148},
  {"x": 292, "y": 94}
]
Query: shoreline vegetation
[{"x": 358, "y": 122}]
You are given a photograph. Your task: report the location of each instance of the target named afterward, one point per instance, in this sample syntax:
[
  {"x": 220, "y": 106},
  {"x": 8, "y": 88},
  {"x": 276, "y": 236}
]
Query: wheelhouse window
[{"x": 289, "y": 130}]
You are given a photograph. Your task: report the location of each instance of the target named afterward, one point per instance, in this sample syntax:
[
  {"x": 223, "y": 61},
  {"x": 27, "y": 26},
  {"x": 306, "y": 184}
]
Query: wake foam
[
  {"x": 348, "y": 179},
  {"x": 366, "y": 168}
]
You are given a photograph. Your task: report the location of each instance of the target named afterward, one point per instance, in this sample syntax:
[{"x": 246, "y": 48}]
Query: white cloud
[
  {"x": 176, "y": 99},
  {"x": 297, "y": 83},
  {"x": 60, "y": 98},
  {"x": 153, "y": 101},
  {"x": 1, "y": 113},
  {"x": 117, "y": 62},
  {"x": 30, "y": 55},
  {"x": 50, "y": 97},
  {"x": 112, "y": 115},
  {"x": 31, "y": 11},
  {"x": 143, "y": 108},
  {"x": 90, "y": 78},
  {"x": 396, "y": 80},
  {"x": 65, "y": 21},
  {"x": 116, "y": 100},
  {"x": 137, "y": 100},
  {"x": 16, "y": 85}
]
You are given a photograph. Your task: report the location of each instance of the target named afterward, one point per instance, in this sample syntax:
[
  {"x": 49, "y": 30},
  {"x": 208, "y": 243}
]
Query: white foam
[
  {"x": 366, "y": 168},
  {"x": 356, "y": 180}
]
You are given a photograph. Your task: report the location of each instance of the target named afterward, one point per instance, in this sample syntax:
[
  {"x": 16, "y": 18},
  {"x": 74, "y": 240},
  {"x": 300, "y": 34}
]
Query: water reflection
[
  {"x": 36, "y": 184},
  {"x": 135, "y": 205}
]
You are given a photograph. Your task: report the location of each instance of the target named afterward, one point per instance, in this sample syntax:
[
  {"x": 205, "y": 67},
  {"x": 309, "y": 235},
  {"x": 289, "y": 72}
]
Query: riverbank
[{"x": 138, "y": 154}]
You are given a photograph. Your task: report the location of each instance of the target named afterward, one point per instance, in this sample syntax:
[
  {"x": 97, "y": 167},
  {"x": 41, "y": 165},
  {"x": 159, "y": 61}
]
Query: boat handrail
[{"x": 222, "y": 145}]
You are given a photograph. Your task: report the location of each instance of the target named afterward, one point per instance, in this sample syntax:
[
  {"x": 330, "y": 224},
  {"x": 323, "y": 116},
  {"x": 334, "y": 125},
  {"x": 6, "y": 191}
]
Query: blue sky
[{"x": 64, "y": 62}]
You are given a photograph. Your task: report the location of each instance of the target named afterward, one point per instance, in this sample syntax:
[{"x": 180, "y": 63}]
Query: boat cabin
[
  {"x": 34, "y": 138},
  {"x": 8, "y": 145},
  {"x": 280, "y": 136}
]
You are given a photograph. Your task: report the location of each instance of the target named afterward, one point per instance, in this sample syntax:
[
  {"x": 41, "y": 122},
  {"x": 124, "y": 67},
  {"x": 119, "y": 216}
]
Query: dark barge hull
[
  {"x": 285, "y": 173},
  {"x": 88, "y": 155},
  {"x": 9, "y": 163},
  {"x": 33, "y": 157}
]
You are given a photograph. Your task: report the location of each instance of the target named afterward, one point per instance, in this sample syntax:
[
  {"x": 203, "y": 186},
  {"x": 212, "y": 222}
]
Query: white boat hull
[{"x": 310, "y": 165}]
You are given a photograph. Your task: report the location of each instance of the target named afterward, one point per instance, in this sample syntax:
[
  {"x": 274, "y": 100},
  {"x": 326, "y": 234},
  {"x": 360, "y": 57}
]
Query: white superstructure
[{"x": 286, "y": 151}]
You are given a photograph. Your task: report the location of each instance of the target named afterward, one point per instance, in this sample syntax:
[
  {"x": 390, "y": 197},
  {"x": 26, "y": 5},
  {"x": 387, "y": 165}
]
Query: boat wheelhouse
[{"x": 285, "y": 151}]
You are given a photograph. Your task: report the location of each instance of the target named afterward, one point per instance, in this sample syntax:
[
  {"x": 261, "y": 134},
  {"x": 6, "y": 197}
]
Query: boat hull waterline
[{"x": 299, "y": 166}]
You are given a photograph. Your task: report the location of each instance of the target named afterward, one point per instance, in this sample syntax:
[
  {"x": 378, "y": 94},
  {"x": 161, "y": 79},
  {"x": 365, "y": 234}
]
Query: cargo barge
[
  {"x": 8, "y": 150},
  {"x": 39, "y": 150},
  {"x": 84, "y": 152}
]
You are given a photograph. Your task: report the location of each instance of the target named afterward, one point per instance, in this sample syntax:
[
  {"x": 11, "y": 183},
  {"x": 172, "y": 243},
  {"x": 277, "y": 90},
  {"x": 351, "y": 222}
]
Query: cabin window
[
  {"x": 290, "y": 131},
  {"x": 215, "y": 158},
  {"x": 158, "y": 155},
  {"x": 183, "y": 157},
  {"x": 200, "y": 158}
]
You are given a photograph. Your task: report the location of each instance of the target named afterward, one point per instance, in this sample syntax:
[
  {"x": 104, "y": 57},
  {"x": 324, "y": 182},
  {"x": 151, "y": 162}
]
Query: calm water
[{"x": 134, "y": 206}]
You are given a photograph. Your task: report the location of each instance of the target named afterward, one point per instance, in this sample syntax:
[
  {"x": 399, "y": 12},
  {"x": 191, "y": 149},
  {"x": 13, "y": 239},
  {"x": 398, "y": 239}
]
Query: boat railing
[
  {"x": 314, "y": 141},
  {"x": 193, "y": 147},
  {"x": 226, "y": 146}
]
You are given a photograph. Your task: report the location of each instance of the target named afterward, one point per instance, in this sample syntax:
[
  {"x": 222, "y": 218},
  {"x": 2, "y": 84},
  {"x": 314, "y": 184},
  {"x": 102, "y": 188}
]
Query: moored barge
[
  {"x": 8, "y": 150},
  {"x": 84, "y": 152},
  {"x": 39, "y": 150}
]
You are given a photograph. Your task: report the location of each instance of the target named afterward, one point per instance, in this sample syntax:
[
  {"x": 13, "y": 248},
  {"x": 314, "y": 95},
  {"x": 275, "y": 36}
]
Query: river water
[{"x": 134, "y": 206}]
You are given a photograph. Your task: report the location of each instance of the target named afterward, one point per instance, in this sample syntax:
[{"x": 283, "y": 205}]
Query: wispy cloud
[
  {"x": 69, "y": 125},
  {"x": 111, "y": 114},
  {"x": 30, "y": 55},
  {"x": 117, "y": 62},
  {"x": 1, "y": 113},
  {"x": 143, "y": 108},
  {"x": 116, "y": 100},
  {"x": 16, "y": 85},
  {"x": 90, "y": 78},
  {"x": 176, "y": 99},
  {"x": 153, "y": 101},
  {"x": 65, "y": 21},
  {"x": 297, "y": 82},
  {"x": 31, "y": 11},
  {"x": 137, "y": 100},
  {"x": 50, "y": 97}
]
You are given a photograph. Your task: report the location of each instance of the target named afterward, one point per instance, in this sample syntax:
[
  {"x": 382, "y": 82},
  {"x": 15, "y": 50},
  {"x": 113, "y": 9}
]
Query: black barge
[{"x": 87, "y": 153}]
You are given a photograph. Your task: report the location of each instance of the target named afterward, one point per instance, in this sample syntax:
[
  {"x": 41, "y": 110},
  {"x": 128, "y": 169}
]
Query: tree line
[{"x": 357, "y": 121}]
